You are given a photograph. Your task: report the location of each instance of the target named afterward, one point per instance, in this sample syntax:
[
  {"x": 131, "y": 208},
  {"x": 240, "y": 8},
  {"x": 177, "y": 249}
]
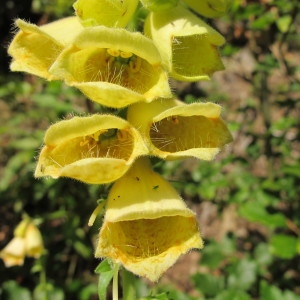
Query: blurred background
[{"x": 247, "y": 200}]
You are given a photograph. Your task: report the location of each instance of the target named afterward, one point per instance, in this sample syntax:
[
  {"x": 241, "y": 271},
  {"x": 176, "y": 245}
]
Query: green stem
[
  {"x": 128, "y": 280},
  {"x": 115, "y": 292},
  {"x": 43, "y": 280}
]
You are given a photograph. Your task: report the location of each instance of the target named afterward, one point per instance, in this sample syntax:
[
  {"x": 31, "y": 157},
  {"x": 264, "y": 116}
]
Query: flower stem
[{"x": 115, "y": 292}]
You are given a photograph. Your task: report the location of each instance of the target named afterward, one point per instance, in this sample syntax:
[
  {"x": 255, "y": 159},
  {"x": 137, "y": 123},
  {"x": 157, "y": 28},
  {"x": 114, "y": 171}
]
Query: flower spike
[
  {"x": 113, "y": 66},
  {"x": 173, "y": 129},
  {"x": 188, "y": 46},
  {"x": 97, "y": 149},
  {"x": 147, "y": 225},
  {"x": 111, "y": 13},
  {"x": 34, "y": 48}
]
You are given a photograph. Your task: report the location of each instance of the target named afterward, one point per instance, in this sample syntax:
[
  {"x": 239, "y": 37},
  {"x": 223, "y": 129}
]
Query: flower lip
[
  {"x": 14, "y": 252},
  {"x": 79, "y": 147},
  {"x": 50, "y": 38},
  {"x": 119, "y": 39},
  {"x": 173, "y": 129},
  {"x": 147, "y": 226},
  {"x": 148, "y": 247},
  {"x": 113, "y": 66},
  {"x": 188, "y": 46}
]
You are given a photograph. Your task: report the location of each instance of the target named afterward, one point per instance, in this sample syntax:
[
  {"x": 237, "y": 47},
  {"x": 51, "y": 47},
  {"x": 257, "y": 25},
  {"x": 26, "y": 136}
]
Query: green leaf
[
  {"x": 14, "y": 166},
  {"x": 208, "y": 284},
  {"x": 12, "y": 291},
  {"x": 263, "y": 21},
  {"x": 263, "y": 257},
  {"x": 270, "y": 292},
  {"x": 283, "y": 23},
  {"x": 292, "y": 170},
  {"x": 106, "y": 272},
  {"x": 284, "y": 246},
  {"x": 47, "y": 291},
  {"x": 256, "y": 212},
  {"x": 88, "y": 291},
  {"x": 161, "y": 296},
  {"x": 242, "y": 274},
  {"x": 215, "y": 252},
  {"x": 233, "y": 294}
]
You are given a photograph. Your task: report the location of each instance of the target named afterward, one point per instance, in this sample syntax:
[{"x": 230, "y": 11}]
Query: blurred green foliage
[{"x": 256, "y": 258}]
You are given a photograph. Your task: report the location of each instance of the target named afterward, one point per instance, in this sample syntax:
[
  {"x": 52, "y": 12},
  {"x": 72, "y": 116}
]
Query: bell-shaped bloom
[
  {"x": 209, "y": 8},
  {"x": 158, "y": 5},
  {"x": 96, "y": 149},
  {"x": 35, "y": 48},
  {"x": 188, "y": 46},
  {"x": 33, "y": 241},
  {"x": 27, "y": 241},
  {"x": 113, "y": 67},
  {"x": 111, "y": 13},
  {"x": 14, "y": 253},
  {"x": 173, "y": 129},
  {"x": 147, "y": 226}
]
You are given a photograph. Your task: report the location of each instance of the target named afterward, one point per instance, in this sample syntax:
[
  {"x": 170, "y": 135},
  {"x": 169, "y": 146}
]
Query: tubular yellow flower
[
  {"x": 188, "y": 46},
  {"x": 27, "y": 241},
  {"x": 96, "y": 149},
  {"x": 34, "y": 246},
  {"x": 210, "y": 8},
  {"x": 173, "y": 129},
  {"x": 113, "y": 66},
  {"x": 34, "y": 48},
  {"x": 147, "y": 226},
  {"x": 111, "y": 13},
  {"x": 14, "y": 252}
]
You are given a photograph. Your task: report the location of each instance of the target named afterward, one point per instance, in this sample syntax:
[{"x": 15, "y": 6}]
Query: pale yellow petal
[
  {"x": 96, "y": 149},
  {"x": 188, "y": 46},
  {"x": 34, "y": 48},
  {"x": 173, "y": 129},
  {"x": 110, "y": 13},
  {"x": 33, "y": 241},
  {"x": 14, "y": 252},
  {"x": 113, "y": 67},
  {"x": 147, "y": 226}
]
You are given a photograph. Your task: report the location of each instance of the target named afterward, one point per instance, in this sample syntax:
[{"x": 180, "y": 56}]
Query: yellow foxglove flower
[
  {"x": 113, "y": 66},
  {"x": 147, "y": 226},
  {"x": 35, "y": 48},
  {"x": 158, "y": 5},
  {"x": 188, "y": 46},
  {"x": 34, "y": 246},
  {"x": 209, "y": 8},
  {"x": 96, "y": 149},
  {"x": 27, "y": 241},
  {"x": 111, "y": 13},
  {"x": 173, "y": 129},
  {"x": 14, "y": 252}
]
